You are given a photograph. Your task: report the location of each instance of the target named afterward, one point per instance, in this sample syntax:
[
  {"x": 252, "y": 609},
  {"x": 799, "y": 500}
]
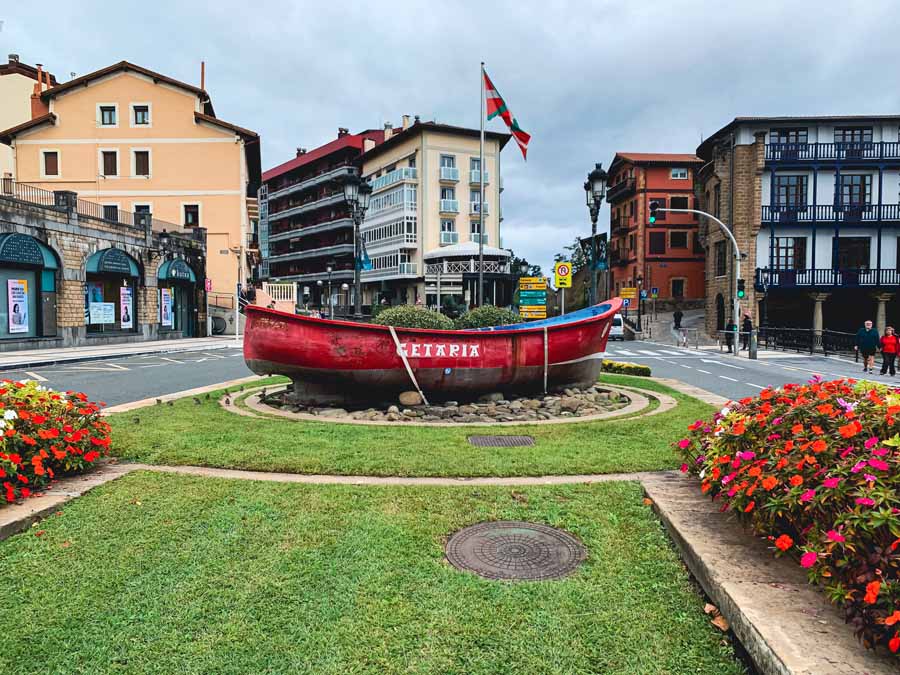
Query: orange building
[
  {"x": 667, "y": 255},
  {"x": 138, "y": 141}
]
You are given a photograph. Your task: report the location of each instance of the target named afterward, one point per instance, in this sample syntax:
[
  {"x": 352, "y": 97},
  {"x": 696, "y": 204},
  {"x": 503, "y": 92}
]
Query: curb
[{"x": 143, "y": 403}]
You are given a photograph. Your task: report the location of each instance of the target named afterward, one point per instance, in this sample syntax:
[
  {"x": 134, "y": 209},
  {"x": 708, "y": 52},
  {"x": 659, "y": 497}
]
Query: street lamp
[
  {"x": 330, "y": 269},
  {"x": 595, "y": 191},
  {"x": 357, "y": 194},
  {"x": 640, "y": 283}
]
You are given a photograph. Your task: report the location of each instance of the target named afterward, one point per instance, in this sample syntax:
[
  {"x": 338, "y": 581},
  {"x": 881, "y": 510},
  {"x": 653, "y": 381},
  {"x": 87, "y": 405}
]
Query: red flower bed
[
  {"x": 815, "y": 468},
  {"x": 45, "y": 434}
]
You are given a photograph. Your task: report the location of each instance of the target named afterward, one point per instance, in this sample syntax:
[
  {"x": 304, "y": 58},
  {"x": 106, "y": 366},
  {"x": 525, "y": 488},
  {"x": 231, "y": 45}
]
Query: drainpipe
[{"x": 734, "y": 267}]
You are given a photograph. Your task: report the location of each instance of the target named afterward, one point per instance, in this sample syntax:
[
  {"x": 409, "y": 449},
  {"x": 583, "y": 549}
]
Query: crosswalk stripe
[
  {"x": 671, "y": 352},
  {"x": 624, "y": 352},
  {"x": 648, "y": 352},
  {"x": 35, "y": 376}
]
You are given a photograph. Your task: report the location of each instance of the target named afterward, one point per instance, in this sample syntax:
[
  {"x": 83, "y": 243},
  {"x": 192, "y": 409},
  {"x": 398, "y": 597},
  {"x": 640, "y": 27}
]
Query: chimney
[
  {"x": 301, "y": 151},
  {"x": 47, "y": 75},
  {"x": 203, "y": 75},
  {"x": 38, "y": 107},
  {"x": 368, "y": 144},
  {"x": 405, "y": 122},
  {"x": 388, "y": 130},
  {"x": 342, "y": 131},
  {"x": 13, "y": 58}
]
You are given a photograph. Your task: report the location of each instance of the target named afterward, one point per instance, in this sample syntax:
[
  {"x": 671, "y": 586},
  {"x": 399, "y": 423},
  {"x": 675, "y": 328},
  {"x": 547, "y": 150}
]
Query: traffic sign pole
[{"x": 563, "y": 311}]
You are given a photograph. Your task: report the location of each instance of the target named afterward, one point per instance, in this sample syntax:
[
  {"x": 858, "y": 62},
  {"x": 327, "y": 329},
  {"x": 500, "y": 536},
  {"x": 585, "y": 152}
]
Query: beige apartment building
[
  {"x": 136, "y": 141},
  {"x": 17, "y": 84},
  {"x": 421, "y": 231}
]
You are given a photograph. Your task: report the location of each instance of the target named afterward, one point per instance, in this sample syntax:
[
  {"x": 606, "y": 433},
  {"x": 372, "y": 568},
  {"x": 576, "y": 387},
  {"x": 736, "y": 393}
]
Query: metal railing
[
  {"x": 852, "y": 150},
  {"x": 847, "y": 278},
  {"x": 475, "y": 208},
  {"x": 806, "y": 340},
  {"x": 475, "y": 177},
  {"x": 449, "y": 238},
  {"x": 449, "y": 206},
  {"x": 480, "y": 238},
  {"x": 824, "y": 213},
  {"x": 620, "y": 190},
  {"x": 449, "y": 173},
  {"x": 24, "y": 192},
  {"x": 466, "y": 267},
  {"x": 395, "y": 176}
]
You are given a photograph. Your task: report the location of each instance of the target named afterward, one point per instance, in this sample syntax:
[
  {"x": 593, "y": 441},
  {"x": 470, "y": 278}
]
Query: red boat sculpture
[{"x": 341, "y": 360}]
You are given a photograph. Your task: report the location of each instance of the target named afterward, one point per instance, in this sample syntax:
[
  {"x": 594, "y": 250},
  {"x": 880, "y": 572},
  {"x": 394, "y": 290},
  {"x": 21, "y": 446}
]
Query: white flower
[
  {"x": 724, "y": 411},
  {"x": 703, "y": 474},
  {"x": 10, "y": 415}
]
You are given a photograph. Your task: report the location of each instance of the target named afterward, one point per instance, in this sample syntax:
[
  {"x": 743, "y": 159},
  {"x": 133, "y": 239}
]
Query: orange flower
[
  {"x": 894, "y": 644},
  {"x": 769, "y": 482},
  {"x": 754, "y": 471},
  {"x": 872, "y": 589},
  {"x": 796, "y": 480},
  {"x": 738, "y": 428},
  {"x": 851, "y": 429},
  {"x": 749, "y": 507},
  {"x": 819, "y": 446},
  {"x": 817, "y": 429},
  {"x": 797, "y": 429},
  {"x": 784, "y": 542},
  {"x": 893, "y": 618}
]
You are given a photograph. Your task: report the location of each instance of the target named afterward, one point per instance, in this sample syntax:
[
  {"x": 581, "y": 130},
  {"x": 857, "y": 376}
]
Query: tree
[
  {"x": 574, "y": 255},
  {"x": 516, "y": 266}
]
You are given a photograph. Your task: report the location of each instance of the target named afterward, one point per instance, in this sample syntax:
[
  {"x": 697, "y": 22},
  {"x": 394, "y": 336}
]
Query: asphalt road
[
  {"x": 121, "y": 380},
  {"x": 736, "y": 376}
]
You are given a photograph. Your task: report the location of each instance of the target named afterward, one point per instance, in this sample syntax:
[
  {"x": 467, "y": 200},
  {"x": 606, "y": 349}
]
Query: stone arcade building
[{"x": 74, "y": 274}]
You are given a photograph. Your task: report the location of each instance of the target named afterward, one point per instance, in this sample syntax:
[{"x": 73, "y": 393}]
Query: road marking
[
  {"x": 755, "y": 386},
  {"x": 719, "y": 363},
  {"x": 703, "y": 371},
  {"x": 624, "y": 352},
  {"x": 684, "y": 366},
  {"x": 672, "y": 362},
  {"x": 213, "y": 356},
  {"x": 153, "y": 365},
  {"x": 725, "y": 377},
  {"x": 671, "y": 352},
  {"x": 648, "y": 352},
  {"x": 96, "y": 369},
  {"x": 166, "y": 358},
  {"x": 35, "y": 376},
  {"x": 117, "y": 366}
]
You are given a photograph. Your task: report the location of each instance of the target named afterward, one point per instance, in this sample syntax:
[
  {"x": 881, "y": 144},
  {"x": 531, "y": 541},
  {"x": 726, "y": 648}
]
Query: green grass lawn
[
  {"x": 204, "y": 434},
  {"x": 158, "y": 573}
]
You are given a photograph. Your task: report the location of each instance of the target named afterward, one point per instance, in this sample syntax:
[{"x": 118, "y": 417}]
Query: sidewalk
[{"x": 32, "y": 358}]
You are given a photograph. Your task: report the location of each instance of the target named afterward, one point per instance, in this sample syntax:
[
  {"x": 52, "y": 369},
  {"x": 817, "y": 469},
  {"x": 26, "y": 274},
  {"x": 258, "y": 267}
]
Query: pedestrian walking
[
  {"x": 729, "y": 335},
  {"x": 867, "y": 343},
  {"x": 746, "y": 328},
  {"x": 677, "y": 316},
  {"x": 889, "y": 348}
]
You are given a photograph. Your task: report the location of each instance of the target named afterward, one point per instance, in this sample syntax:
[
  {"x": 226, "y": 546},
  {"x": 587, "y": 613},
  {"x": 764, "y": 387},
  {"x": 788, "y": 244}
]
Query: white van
[{"x": 617, "y": 331}]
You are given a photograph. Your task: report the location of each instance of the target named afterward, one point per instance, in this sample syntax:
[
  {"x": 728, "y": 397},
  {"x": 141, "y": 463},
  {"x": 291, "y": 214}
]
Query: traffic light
[
  {"x": 654, "y": 205},
  {"x": 741, "y": 290}
]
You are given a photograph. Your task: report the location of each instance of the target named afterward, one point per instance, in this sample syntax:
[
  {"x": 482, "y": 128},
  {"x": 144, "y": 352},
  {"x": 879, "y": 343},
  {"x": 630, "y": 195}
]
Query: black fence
[
  {"x": 10, "y": 189},
  {"x": 807, "y": 340}
]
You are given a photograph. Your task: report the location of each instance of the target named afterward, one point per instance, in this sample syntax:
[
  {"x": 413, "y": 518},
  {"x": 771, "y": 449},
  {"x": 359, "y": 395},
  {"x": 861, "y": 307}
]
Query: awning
[
  {"x": 113, "y": 261},
  {"x": 467, "y": 249},
  {"x": 25, "y": 250},
  {"x": 176, "y": 270}
]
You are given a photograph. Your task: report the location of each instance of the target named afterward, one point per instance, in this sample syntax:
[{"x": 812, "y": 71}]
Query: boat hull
[{"x": 339, "y": 361}]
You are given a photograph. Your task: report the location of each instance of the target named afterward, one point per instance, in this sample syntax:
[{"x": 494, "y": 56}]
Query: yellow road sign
[
  {"x": 532, "y": 280},
  {"x": 533, "y": 287},
  {"x": 563, "y": 272},
  {"x": 533, "y": 315},
  {"x": 533, "y": 308},
  {"x": 629, "y": 293}
]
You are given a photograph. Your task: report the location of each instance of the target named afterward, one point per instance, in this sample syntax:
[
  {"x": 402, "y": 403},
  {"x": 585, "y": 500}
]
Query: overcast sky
[{"x": 586, "y": 79}]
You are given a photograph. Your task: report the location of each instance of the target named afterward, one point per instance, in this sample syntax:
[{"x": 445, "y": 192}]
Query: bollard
[{"x": 752, "y": 346}]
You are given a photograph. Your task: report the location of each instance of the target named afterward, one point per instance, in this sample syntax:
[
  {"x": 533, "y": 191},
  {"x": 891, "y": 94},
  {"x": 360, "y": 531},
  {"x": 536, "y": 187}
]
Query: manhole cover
[
  {"x": 512, "y": 550},
  {"x": 501, "y": 441}
]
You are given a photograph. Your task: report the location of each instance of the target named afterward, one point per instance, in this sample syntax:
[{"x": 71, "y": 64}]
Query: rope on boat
[
  {"x": 406, "y": 364},
  {"x": 546, "y": 364}
]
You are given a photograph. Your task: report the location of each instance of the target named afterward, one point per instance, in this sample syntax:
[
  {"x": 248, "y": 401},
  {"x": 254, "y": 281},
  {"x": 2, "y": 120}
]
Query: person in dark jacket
[
  {"x": 677, "y": 316},
  {"x": 746, "y": 327},
  {"x": 867, "y": 343},
  {"x": 889, "y": 348},
  {"x": 730, "y": 330}
]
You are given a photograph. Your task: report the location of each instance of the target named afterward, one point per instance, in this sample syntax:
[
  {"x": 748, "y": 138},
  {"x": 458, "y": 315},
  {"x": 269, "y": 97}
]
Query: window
[
  {"x": 191, "y": 215},
  {"x": 111, "y": 212},
  {"x": 661, "y": 201},
  {"x": 698, "y": 244},
  {"x": 679, "y": 203},
  {"x": 475, "y": 196},
  {"x": 657, "y": 243},
  {"x": 141, "y": 160},
  {"x": 475, "y": 163},
  {"x": 448, "y": 193},
  {"x": 448, "y": 161},
  {"x": 721, "y": 259},
  {"x": 678, "y": 239},
  {"x": 109, "y": 162},
  {"x": 856, "y": 190},
  {"x": 142, "y": 208},
  {"x": 793, "y": 136},
  {"x": 679, "y": 174},
  {"x": 632, "y": 208},
  {"x": 853, "y": 135},
  {"x": 630, "y": 242},
  {"x": 108, "y": 116},
  {"x": 448, "y": 225},
  {"x": 853, "y": 252},
  {"x": 141, "y": 115},
  {"x": 51, "y": 163},
  {"x": 677, "y": 288},
  {"x": 790, "y": 192},
  {"x": 717, "y": 200},
  {"x": 412, "y": 162},
  {"x": 789, "y": 253}
]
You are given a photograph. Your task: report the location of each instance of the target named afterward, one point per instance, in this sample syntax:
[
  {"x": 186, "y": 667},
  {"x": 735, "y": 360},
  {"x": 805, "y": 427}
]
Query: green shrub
[
  {"x": 410, "y": 316},
  {"x": 623, "y": 368},
  {"x": 378, "y": 309},
  {"x": 487, "y": 315},
  {"x": 453, "y": 307}
]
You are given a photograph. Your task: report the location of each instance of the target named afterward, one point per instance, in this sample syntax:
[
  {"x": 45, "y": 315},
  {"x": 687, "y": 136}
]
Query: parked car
[{"x": 617, "y": 331}]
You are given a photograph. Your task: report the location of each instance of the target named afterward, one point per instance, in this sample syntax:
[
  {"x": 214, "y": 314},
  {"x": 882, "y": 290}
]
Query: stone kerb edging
[{"x": 639, "y": 402}]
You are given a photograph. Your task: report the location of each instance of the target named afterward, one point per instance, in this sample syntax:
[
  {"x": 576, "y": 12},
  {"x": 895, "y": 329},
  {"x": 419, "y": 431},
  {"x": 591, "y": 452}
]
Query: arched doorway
[
  {"x": 720, "y": 312},
  {"x": 110, "y": 292},
  {"x": 177, "y": 297},
  {"x": 28, "y": 270}
]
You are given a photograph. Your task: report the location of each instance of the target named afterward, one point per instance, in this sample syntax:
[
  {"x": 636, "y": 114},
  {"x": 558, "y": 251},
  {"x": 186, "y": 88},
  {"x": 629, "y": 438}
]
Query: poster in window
[
  {"x": 102, "y": 312},
  {"x": 17, "y": 297},
  {"x": 95, "y": 291},
  {"x": 165, "y": 307},
  {"x": 125, "y": 308}
]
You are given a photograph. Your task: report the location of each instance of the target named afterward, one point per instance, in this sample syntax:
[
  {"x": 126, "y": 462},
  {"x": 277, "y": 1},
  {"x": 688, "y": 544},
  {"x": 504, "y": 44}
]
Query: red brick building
[{"x": 667, "y": 255}]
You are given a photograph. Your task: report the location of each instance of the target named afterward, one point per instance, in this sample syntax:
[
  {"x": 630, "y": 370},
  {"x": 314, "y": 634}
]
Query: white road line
[
  {"x": 166, "y": 358},
  {"x": 720, "y": 363},
  {"x": 671, "y": 352},
  {"x": 214, "y": 356},
  {"x": 153, "y": 365},
  {"x": 117, "y": 366},
  {"x": 648, "y": 352},
  {"x": 703, "y": 371},
  {"x": 725, "y": 377},
  {"x": 624, "y": 352},
  {"x": 755, "y": 386},
  {"x": 684, "y": 366},
  {"x": 672, "y": 362},
  {"x": 35, "y": 376}
]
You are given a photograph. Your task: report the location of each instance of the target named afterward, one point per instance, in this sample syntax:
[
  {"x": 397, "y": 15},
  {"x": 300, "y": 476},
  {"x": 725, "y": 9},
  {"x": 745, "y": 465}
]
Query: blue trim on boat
[{"x": 571, "y": 317}]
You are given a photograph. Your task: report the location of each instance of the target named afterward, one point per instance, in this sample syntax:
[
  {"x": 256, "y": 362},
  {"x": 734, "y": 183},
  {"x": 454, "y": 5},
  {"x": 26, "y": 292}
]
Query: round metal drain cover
[{"x": 511, "y": 550}]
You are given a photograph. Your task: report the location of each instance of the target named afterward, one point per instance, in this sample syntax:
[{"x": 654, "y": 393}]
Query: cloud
[{"x": 586, "y": 79}]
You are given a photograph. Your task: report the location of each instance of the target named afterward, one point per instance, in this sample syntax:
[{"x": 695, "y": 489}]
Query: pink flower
[
  {"x": 879, "y": 464},
  {"x": 870, "y": 442},
  {"x": 869, "y": 477},
  {"x": 831, "y": 482},
  {"x": 865, "y": 501},
  {"x": 846, "y": 451},
  {"x": 809, "y": 558},
  {"x": 807, "y": 496},
  {"x": 684, "y": 443},
  {"x": 684, "y": 468},
  {"x": 859, "y": 466},
  {"x": 834, "y": 535},
  {"x": 747, "y": 455},
  {"x": 880, "y": 452}
]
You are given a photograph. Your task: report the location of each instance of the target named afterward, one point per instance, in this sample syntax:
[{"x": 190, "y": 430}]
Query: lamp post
[
  {"x": 329, "y": 269},
  {"x": 640, "y": 283},
  {"x": 357, "y": 193},
  {"x": 320, "y": 283},
  {"x": 595, "y": 191}
]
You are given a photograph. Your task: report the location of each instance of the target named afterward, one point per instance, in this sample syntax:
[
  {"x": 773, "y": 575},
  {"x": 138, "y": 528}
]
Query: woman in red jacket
[{"x": 889, "y": 348}]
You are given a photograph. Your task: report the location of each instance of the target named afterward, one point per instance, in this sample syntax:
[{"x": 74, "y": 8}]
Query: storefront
[
  {"x": 110, "y": 293},
  {"x": 178, "y": 292},
  {"x": 28, "y": 278}
]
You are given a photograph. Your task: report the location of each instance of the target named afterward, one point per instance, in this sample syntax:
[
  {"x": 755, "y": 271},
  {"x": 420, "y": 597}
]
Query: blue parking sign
[{"x": 626, "y": 302}]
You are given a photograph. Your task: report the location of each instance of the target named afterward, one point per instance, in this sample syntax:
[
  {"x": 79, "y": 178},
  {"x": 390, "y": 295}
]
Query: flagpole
[{"x": 481, "y": 199}]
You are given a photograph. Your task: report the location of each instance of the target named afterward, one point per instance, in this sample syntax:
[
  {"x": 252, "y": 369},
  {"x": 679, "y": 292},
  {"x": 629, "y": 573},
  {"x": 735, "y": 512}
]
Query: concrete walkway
[{"x": 31, "y": 358}]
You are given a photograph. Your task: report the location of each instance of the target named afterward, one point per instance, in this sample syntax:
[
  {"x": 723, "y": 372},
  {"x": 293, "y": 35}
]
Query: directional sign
[
  {"x": 628, "y": 293},
  {"x": 537, "y": 314},
  {"x": 533, "y": 287},
  {"x": 654, "y": 292},
  {"x": 533, "y": 294},
  {"x": 531, "y": 280},
  {"x": 643, "y": 294},
  {"x": 563, "y": 272}
]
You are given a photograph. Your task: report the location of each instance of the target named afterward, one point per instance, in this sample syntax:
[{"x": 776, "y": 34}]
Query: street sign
[
  {"x": 601, "y": 265},
  {"x": 643, "y": 294},
  {"x": 532, "y": 280},
  {"x": 208, "y": 285},
  {"x": 563, "y": 272},
  {"x": 526, "y": 299},
  {"x": 626, "y": 302},
  {"x": 654, "y": 292},
  {"x": 532, "y": 308},
  {"x": 628, "y": 293},
  {"x": 533, "y": 287},
  {"x": 535, "y": 314}
]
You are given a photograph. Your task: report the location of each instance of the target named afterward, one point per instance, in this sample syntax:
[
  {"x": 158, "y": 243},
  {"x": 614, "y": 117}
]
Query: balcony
[
  {"x": 832, "y": 152},
  {"x": 304, "y": 231},
  {"x": 475, "y": 177},
  {"x": 475, "y": 208},
  {"x": 333, "y": 250},
  {"x": 483, "y": 238},
  {"x": 395, "y": 176},
  {"x": 449, "y": 206},
  {"x": 828, "y": 213},
  {"x": 825, "y": 278},
  {"x": 406, "y": 269},
  {"x": 330, "y": 200},
  {"x": 450, "y": 173},
  {"x": 618, "y": 223},
  {"x": 460, "y": 267},
  {"x": 501, "y": 183},
  {"x": 398, "y": 241},
  {"x": 306, "y": 183},
  {"x": 620, "y": 190},
  {"x": 448, "y": 238}
]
